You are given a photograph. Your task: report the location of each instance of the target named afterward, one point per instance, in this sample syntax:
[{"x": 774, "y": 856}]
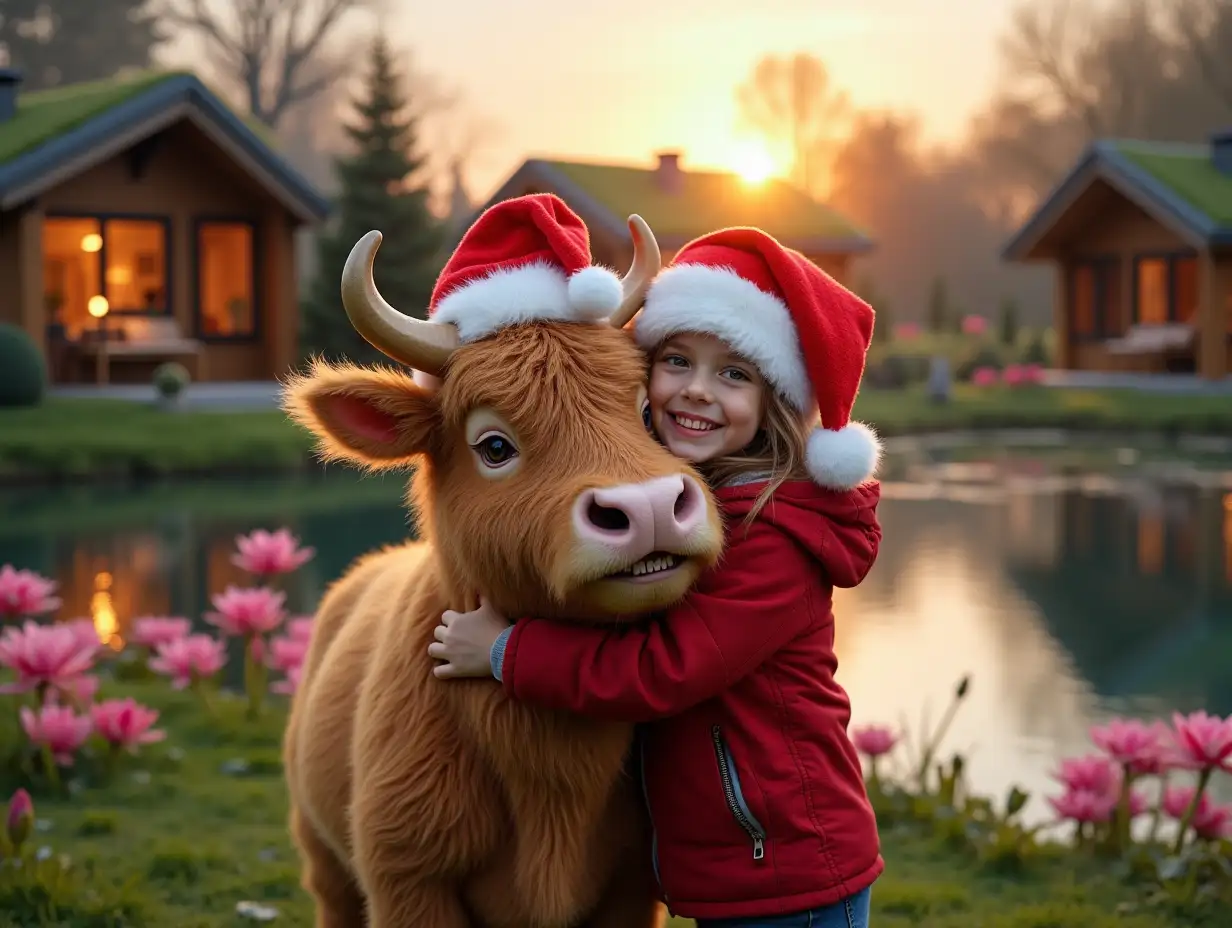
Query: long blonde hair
[{"x": 778, "y": 448}]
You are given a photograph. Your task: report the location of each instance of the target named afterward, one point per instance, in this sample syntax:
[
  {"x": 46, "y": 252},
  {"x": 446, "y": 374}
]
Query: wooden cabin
[
  {"x": 1140, "y": 235},
  {"x": 679, "y": 205},
  {"x": 142, "y": 221}
]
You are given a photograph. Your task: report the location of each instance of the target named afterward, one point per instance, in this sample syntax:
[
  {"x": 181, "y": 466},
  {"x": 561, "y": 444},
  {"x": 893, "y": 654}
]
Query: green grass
[
  {"x": 88, "y": 437},
  {"x": 45, "y": 114},
  {"x": 1188, "y": 171},
  {"x": 93, "y": 438},
  {"x": 173, "y": 840}
]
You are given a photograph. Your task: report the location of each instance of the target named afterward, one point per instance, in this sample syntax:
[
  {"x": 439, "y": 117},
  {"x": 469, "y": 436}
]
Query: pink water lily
[
  {"x": 153, "y": 631},
  {"x": 125, "y": 723},
  {"x": 265, "y": 553},
  {"x": 287, "y": 652},
  {"x": 86, "y": 633},
  {"x": 1130, "y": 742},
  {"x": 20, "y": 818},
  {"x": 874, "y": 740},
  {"x": 25, "y": 593},
  {"x": 290, "y": 684},
  {"x": 1090, "y": 774},
  {"x": 58, "y": 728},
  {"x": 196, "y": 657},
  {"x": 1083, "y": 805},
  {"x": 44, "y": 654},
  {"x": 300, "y": 627},
  {"x": 1203, "y": 741},
  {"x": 1210, "y": 821},
  {"x": 247, "y": 611}
]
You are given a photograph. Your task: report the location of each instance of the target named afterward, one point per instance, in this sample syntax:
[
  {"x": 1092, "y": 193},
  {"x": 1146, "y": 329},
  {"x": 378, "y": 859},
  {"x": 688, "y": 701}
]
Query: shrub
[
  {"x": 170, "y": 379},
  {"x": 986, "y": 357},
  {"x": 23, "y": 372}
]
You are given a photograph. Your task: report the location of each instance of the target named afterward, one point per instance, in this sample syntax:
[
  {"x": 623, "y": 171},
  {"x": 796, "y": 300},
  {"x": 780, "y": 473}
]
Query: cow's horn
[
  {"x": 425, "y": 346},
  {"x": 647, "y": 262}
]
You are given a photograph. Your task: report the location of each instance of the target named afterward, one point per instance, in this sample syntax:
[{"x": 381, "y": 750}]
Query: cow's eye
[
  {"x": 646, "y": 414},
  {"x": 494, "y": 450}
]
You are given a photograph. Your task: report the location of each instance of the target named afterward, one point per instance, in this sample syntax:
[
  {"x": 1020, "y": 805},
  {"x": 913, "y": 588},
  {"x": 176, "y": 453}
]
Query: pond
[{"x": 1071, "y": 583}]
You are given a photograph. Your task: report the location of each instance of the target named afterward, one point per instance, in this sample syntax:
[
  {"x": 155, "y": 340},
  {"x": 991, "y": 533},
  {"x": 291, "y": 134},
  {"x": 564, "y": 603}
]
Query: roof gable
[
  {"x": 1176, "y": 184},
  {"x": 59, "y": 133},
  {"x": 605, "y": 194}
]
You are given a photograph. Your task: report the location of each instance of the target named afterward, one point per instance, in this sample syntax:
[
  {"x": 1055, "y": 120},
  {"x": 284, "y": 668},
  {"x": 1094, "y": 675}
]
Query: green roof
[
  {"x": 708, "y": 200},
  {"x": 42, "y": 115},
  {"x": 1187, "y": 171}
]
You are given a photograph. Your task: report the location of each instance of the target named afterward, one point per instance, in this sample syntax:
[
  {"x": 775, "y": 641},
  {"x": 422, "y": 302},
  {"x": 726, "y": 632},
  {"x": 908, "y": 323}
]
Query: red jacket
[{"x": 755, "y": 790}]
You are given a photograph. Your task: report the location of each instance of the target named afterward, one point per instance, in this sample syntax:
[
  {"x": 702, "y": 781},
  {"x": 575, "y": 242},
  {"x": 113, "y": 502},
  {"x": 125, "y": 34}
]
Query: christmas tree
[{"x": 378, "y": 191}]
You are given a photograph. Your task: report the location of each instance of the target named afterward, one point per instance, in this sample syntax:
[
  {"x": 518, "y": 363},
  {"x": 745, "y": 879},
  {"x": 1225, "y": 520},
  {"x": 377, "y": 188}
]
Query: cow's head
[{"x": 537, "y": 478}]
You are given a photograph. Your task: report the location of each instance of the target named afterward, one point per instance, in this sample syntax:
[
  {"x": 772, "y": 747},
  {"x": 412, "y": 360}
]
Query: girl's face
[{"x": 705, "y": 400}]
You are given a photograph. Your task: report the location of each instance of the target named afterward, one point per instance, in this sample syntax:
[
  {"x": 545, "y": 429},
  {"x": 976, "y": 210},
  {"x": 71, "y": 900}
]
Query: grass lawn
[
  {"x": 74, "y": 438},
  {"x": 183, "y": 833}
]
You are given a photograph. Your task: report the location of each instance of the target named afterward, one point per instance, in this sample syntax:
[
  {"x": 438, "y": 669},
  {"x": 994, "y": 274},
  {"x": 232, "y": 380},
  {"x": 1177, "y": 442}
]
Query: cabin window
[
  {"x": 226, "y": 280},
  {"x": 1185, "y": 288},
  {"x": 94, "y": 266},
  {"x": 1165, "y": 288},
  {"x": 1095, "y": 298}
]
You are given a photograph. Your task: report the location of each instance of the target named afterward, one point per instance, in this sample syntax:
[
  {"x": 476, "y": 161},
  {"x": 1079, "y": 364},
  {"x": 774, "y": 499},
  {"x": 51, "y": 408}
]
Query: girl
[{"x": 755, "y": 792}]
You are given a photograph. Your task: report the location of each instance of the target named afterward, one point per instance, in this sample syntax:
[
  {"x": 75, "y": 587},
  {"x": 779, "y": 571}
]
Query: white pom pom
[
  {"x": 843, "y": 459},
  {"x": 594, "y": 293}
]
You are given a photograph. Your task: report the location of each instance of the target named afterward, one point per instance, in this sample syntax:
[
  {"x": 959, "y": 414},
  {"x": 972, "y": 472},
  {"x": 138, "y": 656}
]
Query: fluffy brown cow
[{"x": 418, "y": 803}]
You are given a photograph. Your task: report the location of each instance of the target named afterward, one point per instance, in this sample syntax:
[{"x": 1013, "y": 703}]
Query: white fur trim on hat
[
  {"x": 842, "y": 459},
  {"x": 718, "y": 301},
  {"x": 530, "y": 293}
]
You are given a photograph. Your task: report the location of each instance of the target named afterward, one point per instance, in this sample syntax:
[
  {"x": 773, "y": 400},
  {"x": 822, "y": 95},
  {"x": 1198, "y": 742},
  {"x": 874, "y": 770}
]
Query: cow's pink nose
[{"x": 636, "y": 519}]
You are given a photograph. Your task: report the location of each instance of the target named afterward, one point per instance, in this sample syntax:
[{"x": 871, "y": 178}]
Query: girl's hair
[{"x": 777, "y": 448}]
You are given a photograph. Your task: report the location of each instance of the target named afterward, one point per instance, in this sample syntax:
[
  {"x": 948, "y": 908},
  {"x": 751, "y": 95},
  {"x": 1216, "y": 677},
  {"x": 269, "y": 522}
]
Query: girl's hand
[{"x": 464, "y": 641}]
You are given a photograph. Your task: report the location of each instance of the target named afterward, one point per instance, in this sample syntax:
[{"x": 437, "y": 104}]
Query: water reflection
[{"x": 1068, "y": 596}]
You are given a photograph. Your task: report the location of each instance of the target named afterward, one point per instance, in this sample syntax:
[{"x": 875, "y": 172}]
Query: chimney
[
  {"x": 668, "y": 175},
  {"x": 10, "y": 81}
]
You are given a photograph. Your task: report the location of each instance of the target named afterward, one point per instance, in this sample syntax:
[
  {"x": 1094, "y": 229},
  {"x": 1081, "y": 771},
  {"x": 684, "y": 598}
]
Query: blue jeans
[{"x": 851, "y": 912}]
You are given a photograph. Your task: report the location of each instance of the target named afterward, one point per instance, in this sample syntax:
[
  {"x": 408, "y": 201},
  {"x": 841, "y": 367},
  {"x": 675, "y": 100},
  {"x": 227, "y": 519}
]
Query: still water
[{"x": 1071, "y": 584}]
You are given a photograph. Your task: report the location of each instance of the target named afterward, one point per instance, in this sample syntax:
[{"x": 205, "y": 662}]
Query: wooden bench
[{"x": 146, "y": 338}]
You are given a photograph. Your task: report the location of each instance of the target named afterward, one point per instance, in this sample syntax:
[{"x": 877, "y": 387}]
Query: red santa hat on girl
[
  {"x": 523, "y": 260},
  {"x": 806, "y": 333}
]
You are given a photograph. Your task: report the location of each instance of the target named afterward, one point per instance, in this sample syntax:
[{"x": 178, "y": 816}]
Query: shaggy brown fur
[{"x": 421, "y": 803}]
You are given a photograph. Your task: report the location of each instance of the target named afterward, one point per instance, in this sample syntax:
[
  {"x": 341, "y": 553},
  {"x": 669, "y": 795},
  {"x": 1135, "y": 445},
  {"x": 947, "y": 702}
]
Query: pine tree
[
  {"x": 939, "y": 316},
  {"x": 378, "y": 191},
  {"x": 1009, "y": 322}
]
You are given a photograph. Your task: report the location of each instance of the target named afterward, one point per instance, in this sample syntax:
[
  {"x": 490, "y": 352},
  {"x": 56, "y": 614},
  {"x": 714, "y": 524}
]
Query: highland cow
[{"x": 418, "y": 803}]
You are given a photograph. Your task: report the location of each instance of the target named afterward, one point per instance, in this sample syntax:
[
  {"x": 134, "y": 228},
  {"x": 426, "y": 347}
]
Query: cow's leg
[
  {"x": 402, "y": 904},
  {"x": 338, "y": 899},
  {"x": 425, "y": 812}
]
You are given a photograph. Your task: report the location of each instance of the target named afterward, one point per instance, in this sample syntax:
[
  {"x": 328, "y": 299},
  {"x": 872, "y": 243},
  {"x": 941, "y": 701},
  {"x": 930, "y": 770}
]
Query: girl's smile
[{"x": 705, "y": 400}]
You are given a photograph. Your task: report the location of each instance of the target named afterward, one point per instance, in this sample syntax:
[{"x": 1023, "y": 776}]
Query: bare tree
[
  {"x": 1205, "y": 31},
  {"x": 793, "y": 100},
  {"x": 269, "y": 45}
]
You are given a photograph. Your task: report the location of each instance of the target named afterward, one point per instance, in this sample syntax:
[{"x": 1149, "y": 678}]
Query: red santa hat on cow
[
  {"x": 806, "y": 333},
  {"x": 523, "y": 260}
]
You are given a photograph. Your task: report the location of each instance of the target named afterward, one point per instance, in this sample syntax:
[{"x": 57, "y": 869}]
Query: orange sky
[{"x": 618, "y": 81}]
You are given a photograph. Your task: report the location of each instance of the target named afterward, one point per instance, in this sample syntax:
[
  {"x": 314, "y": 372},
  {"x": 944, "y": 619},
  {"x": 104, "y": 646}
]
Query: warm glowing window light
[
  {"x": 92, "y": 242},
  {"x": 102, "y": 611}
]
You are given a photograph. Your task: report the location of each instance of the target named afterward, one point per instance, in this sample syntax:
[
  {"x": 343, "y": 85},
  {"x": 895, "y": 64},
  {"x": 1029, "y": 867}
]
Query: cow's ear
[{"x": 378, "y": 418}]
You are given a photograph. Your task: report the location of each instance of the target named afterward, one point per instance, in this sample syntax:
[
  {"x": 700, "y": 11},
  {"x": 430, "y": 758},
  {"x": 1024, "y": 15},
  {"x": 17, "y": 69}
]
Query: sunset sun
[{"x": 754, "y": 164}]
